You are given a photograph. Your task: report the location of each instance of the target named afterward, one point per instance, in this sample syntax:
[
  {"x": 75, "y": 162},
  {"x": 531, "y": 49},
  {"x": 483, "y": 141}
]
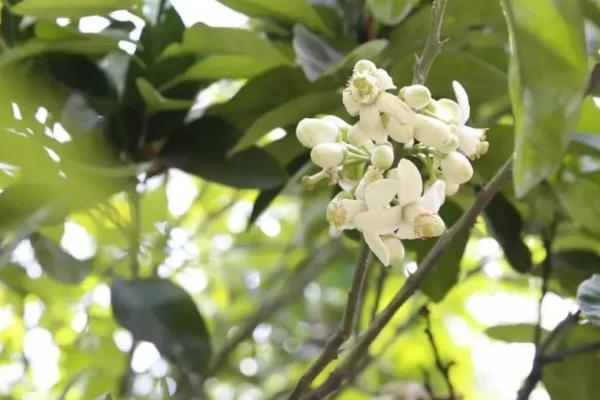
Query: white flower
[
  {"x": 416, "y": 97},
  {"x": 342, "y": 209},
  {"x": 456, "y": 168},
  {"x": 435, "y": 133},
  {"x": 328, "y": 155},
  {"x": 312, "y": 131},
  {"x": 471, "y": 141},
  {"x": 415, "y": 215},
  {"x": 401, "y": 133}
]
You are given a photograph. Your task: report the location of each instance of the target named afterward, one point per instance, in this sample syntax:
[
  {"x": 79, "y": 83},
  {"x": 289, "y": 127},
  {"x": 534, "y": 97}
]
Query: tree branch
[
  {"x": 433, "y": 44},
  {"x": 335, "y": 341},
  {"x": 561, "y": 355},
  {"x": 428, "y": 265},
  {"x": 444, "y": 368},
  {"x": 383, "y": 273}
]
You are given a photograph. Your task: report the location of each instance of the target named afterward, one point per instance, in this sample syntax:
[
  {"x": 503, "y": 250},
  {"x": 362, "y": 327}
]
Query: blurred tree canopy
[{"x": 156, "y": 241}]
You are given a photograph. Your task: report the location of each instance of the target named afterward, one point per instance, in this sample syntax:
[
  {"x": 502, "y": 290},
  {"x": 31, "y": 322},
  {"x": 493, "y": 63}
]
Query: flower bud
[
  {"x": 456, "y": 168},
  {"x": 356, "y": 136},
  {"x": 416, "y": 96},
  {"x": 435, "y": 133},
  {"x": 396, "y": 250},
  {"x": 328, "y": 155},
  {"x": 364, "y": 67},
  {"x": 336, "y": 121},
  {"x": 401, "y": 133},
  {"x": 383, "y": 156},
  {"x": 312, "y": 131},
  {"x": 429, "y": 225}
]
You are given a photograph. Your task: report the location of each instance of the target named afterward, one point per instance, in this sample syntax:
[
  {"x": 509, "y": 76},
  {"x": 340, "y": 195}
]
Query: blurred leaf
[
  {"x": 201, "y": 148},
  {"x": 231, "y": 66},
  {"x": 343, "y": 68},
  {"x": 79, "y": 72},
  {"x": 97, "y": 45},
  {"x": 548, "y": 75},
  {"x": 73, "y": 9},
  {"x": 261, "y": 203},
  {"x": 588, "y": 298},
  {"x": 289, "y": 113},
  {"x": 506, "y": 225},
  {"x": 512, "y": 333},
  {"x": 160, "y": 312},
  {"x": 313, "y": 54},
  {"x": 589, "y": 119},
  {"x": 391, "y": 12},
  {"x": 57, "y": 263},
  {"x": 571, "y": 267},
  {"x": 437, "y": 285},
  {"x": 294, "y": 11},
  {"x": 576, "y": 196},
  {"x": 156, "y": 102}
]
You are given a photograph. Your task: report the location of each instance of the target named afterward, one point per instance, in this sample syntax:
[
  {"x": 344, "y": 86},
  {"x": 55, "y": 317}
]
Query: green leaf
[
  {"x": 437, "y": 285},
  {"x": 156, "y": 102},
  {"x": 506, "y": 225},
  {"x": 93, "y": 45},
  {"x": 73, "y": 9},
  {"x": 576, "y": 196},
  {"x": 261, "y": 203},
  {"x": 57, "y": 263},
  {"x": 79, "y": 72},
  {"x": 160, "y": 312},
  {"x": 548, "y": 74},
  {"x": 343, "y": 68},
  {"x": 289, "y": 113},
  {"x": 573, "y": 266},
  {"x": 293, "y": 11},
  {"x": 201, "y": 148},
  {"x": 588, "y": 298},
  {"x": 512, "y": 333},
  {"x": 391, "y": 12},
  {"x": 231, "y": 66},
  {"x": 313, "y": 54}
]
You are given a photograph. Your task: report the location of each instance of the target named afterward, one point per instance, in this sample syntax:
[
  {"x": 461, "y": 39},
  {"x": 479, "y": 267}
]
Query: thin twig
[
  {"x": 562, "y": 354},
  {"x": 443, "y": 367},
  {"x": 310, "y": 269},
  {"x": 335, "y": 341},
  {"x": 383, "y": 274},
  {"x": 433, "y": 44},
  {"x": 428, "y": 265}
]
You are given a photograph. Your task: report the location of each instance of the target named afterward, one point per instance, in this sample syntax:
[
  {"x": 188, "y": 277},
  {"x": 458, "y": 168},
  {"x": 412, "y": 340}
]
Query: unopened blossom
[
  {"x": 416, "y": 97},
  {"x": 314, "y": 131},
  {"x": 456, "y": 168},
  {"x": 328, "y": 155},
  {"x": 382, "y": 156},
  {"x": 435, "y": 133}
]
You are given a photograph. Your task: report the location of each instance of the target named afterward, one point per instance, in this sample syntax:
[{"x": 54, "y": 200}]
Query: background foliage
[{"x": 155, "y": 239}]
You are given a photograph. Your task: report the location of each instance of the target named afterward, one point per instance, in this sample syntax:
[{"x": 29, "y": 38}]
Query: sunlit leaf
[
  {"x": 588, "y": 298},
  {"x": 70, "y": 8}
]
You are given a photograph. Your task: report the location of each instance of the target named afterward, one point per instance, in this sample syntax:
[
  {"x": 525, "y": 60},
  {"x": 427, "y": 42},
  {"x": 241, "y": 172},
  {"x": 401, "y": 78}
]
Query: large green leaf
[
  {"x": 292, "y": 11},
  {"x": 289, "y": 113},
  {"x": 577, "y": 198},
  {"x": 70, "y": 8},
  {"x": 548, "y": 74},
  {"x": 313, "y": 53},
  {"x": 573, "y": 266},
  {"x": 391, "y": 11},
  {"x": 231, "y": 66},
  {"x": 161, "y": 312},
  {"x": 201, "y": 148},
  {"x": 57, "y": 263}
]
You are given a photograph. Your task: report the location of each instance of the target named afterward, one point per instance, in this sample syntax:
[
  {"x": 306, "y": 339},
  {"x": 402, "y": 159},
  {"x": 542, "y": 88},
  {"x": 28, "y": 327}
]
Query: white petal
[
  {"x": 370, "y": 123},
  {"x": 416, "y": 96},
  {"x": 379, "y": 221},
  {"x": 451, "y": 188},
  {"x": 396, "y": 108},
  {"x": 352, "y": 106},
  {"x": 396, "y": 250},
  {"x": 384, "y": 79},
  {"x": 410, "y": 183},
  {"x": 435, "y": 133},
  {"x": 328, "y": 155},
  {"x": 370, "y": 176},
  {"x": 399, "y": 132},
  {"x": 378, "y": 247},
  {"x": 364, "y": 67},
  {"x": 456, "y": 168},
  {"x": 448, "y": 110},
  {"x": 406, "y": 231},
  {"x": 336, "y": 121},
  {"x": 312, "y": 131},
  {"x": 463, "y": 101},
  {"x": 379, "y": 193},
  {"x": 469, "y": 140},
  {"x": 356, "y": 136},
  {"x": 434, "y": 197}
]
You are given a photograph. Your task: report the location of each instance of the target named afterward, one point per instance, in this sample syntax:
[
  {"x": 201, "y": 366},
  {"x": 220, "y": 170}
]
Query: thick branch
[
  {"x": 334, "y": 342},
  {"x": 433, "y": 44},
  {"x": 428, "y": 265}
]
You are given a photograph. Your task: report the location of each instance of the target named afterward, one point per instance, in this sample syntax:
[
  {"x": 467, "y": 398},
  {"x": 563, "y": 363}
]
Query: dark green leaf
[
  {"x": 588, "y": 298},
  {"x": 57, "y": 263},
  {"x": 201, "y": 148},
  {"x": 391, "y": 11},
  {"x": 512, "y": 333},
  {"x": 506, "y": 226},
  {"x": 160, "y": 312},
  {"x": 261, "y": 203},
  {"x": 573, "y": 266},
  {"x": 576, "y": 197},
  {"x": 548, "y": 75},
  {"x": 79, "y": 72}
]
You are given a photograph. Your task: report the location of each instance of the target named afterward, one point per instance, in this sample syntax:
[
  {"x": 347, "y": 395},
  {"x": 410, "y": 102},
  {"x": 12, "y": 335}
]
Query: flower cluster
[{"x": 378, "y": 161}]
